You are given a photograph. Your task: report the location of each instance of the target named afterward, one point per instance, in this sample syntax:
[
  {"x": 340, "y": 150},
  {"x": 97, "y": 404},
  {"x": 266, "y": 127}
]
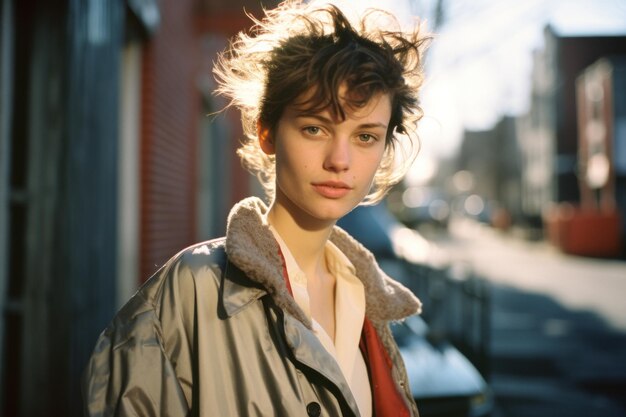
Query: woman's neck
[{"x": 306, "y": 244}]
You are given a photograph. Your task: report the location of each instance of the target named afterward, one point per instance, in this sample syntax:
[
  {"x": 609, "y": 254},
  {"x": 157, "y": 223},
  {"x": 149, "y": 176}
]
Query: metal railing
[{"x": 457, "y": 307}]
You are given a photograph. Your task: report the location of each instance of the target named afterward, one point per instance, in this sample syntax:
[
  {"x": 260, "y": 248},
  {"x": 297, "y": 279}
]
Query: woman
[{"x": 287, "y": 315}]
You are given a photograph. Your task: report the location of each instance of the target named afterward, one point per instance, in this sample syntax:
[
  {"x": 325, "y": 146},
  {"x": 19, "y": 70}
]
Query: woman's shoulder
[
  {"x": 156, "y": 328},
  {"x": 199, "y": 256},
  {"x": 173, "y": 286},
  {"x": 178, "y": 277}
]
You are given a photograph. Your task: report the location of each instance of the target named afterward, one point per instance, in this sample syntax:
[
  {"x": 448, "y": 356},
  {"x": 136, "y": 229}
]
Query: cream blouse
[{"x": 349, "y": 316}]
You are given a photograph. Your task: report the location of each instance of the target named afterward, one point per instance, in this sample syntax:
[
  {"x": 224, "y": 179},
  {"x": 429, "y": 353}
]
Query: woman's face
[{"x": 325, "y": 166}]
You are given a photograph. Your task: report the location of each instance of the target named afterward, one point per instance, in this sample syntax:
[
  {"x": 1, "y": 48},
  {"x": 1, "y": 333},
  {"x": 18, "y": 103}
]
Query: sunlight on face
[{"x": 325, "y": 166}]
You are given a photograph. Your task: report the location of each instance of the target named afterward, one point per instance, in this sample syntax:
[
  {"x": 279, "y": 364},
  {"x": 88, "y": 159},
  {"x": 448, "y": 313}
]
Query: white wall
[{"x": 128, "y": 187}]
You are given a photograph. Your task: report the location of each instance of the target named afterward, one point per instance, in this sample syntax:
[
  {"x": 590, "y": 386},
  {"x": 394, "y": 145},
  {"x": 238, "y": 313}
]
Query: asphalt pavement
[{"x": 558, "y": 324}]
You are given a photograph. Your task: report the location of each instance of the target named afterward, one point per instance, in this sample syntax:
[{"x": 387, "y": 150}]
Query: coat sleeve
[{"x": 129, "y": 373}]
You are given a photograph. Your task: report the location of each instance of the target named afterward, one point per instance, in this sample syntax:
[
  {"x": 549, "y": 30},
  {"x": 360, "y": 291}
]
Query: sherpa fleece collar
[{"x": 251, "y": 246}]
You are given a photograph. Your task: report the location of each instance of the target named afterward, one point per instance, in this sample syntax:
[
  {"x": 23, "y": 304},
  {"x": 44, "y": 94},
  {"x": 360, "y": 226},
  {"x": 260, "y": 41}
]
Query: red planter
[{"x": 586, "y": 232}]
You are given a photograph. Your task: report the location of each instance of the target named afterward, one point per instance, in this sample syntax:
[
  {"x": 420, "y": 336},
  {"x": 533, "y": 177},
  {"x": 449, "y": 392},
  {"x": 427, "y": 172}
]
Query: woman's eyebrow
[
  {"x": 324, "y": 119},
  {"x": 373, "y": 126},
  {"x": 319, "y": 117}
]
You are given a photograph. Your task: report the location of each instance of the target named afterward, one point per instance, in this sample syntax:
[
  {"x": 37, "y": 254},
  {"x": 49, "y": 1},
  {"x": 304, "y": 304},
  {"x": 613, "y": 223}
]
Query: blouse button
[{"x": 313, "y": 409}]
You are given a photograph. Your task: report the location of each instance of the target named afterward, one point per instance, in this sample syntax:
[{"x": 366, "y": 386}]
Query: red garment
[
  {"x": 387, "y": 400},
  {"x": 285, "y": 274}
]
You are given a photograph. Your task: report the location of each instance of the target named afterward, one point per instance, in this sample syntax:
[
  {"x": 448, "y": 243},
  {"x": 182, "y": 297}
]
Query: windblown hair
[{"x": 302, "y": 50}]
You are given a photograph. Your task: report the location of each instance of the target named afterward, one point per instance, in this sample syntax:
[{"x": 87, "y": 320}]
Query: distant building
[
  {"x": 493, "y": 157},
  {"x": 548, "y": 134}
]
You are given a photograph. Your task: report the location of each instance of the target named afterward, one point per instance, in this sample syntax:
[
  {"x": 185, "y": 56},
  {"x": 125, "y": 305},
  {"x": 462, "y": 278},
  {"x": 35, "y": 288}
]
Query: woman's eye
[
  {"x": 312, "y": 130},
  {"x": 366, "y": 138}
]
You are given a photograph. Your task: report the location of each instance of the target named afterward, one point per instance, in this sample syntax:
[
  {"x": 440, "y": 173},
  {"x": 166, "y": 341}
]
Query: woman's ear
[{"x": 265, "y": 138}]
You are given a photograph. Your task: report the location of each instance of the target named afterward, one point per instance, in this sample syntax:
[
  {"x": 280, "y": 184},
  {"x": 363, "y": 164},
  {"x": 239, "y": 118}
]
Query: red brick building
[{"x": 110, "y": 162}]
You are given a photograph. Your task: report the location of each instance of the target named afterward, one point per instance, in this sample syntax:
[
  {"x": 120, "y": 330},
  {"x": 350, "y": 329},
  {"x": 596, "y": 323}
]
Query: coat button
[{"x": 313, "y": 409}]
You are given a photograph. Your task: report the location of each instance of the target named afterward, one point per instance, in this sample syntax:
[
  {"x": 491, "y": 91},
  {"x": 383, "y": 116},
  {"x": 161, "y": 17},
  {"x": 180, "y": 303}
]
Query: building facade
[
  {"x": 109, "y": 164},
  {"x": 548, "y": 134}
]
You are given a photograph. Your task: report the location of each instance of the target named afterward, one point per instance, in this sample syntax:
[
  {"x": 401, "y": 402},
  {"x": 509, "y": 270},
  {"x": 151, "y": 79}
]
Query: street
[{"x": 558, "y": 324}]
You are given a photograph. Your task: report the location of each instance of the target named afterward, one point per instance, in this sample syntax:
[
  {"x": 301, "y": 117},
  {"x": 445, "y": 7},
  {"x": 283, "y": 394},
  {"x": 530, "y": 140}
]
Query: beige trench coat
[{"x": 202, "y": 337}]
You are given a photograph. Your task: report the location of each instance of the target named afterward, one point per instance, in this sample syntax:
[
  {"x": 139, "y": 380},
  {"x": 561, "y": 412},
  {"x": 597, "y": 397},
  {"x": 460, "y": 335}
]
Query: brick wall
[{"x": 170, "y": 111}]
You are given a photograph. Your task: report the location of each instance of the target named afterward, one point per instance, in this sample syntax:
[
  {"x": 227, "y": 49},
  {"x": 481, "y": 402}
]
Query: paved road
[
  {"x": 558, "y": 326},
  {"x": 548, "y": 360}
]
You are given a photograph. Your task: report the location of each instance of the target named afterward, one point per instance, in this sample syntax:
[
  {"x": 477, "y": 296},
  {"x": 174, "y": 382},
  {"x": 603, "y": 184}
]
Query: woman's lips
[{"x": 332, "y": 189}]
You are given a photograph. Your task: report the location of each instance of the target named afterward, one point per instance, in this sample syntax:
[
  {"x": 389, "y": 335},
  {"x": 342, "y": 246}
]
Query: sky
[{"x": 479, "y": 64}]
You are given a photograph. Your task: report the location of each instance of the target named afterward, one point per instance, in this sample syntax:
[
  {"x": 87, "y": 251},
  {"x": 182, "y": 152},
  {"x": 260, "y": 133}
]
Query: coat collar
[{"x": 251, "y": 247}]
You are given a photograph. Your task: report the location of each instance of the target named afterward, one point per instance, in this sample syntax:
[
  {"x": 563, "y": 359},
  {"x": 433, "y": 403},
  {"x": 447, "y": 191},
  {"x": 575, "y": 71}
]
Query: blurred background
[{"x": 510, "y": 226}]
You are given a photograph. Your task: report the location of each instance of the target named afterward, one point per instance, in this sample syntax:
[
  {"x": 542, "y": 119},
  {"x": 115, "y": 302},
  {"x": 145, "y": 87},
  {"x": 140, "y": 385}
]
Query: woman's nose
[{"x": 338, "y": 155}]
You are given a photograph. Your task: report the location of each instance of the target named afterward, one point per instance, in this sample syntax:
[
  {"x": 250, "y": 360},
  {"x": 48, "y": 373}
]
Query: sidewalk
[
  {"x": 595, "y": 285},
  {"x": 558, "y": 325}
]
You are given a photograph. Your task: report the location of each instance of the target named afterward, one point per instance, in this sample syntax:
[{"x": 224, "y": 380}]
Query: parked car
[
  {"x": 443, "y": 381},
  {"x": 425, "y": 205}
]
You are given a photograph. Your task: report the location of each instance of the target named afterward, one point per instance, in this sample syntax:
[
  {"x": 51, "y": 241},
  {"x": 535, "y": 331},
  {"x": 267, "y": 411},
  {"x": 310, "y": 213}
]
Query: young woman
[{"x": 287, "y": 315}]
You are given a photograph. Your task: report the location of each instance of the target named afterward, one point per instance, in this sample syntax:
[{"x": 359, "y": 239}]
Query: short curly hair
[{"x": 310, "y": 49}]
